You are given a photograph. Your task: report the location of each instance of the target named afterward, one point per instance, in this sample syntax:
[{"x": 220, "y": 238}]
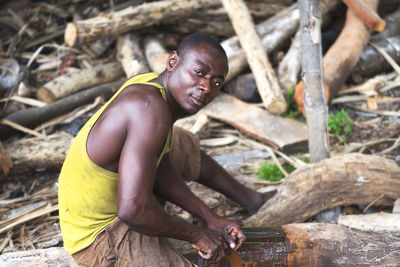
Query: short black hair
[{"x": 191, "y": 41}]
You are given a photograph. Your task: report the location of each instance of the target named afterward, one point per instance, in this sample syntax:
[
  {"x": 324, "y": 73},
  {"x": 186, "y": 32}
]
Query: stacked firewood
[{"x": 60, "y": 60}]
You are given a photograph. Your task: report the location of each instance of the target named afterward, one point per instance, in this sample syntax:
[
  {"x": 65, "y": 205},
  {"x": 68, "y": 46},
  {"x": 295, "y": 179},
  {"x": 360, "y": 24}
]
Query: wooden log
[
  {"x": 314, "y": 93},
  {"x": 273, "y": 130},
  {"x": 156, "y": 54},
  {"x": 73, "y": 82},
  {"x": 244, "y": 88},
  {"x": 33, "y": 117},
  {"x": 274, "y": 32},
  {"x": 5, "y": 161},
  {"x": 344, "y": 54},
  {"x": 30, "y": 154},
  {"x": 317, "y": 245},
  {"x": 290, "y": 66},
  {"x": 382, "y": 222},
  {"x": 216, "y": 21},
  {"x": 130, "y": 55},
  {"x": 132, "y": 18},
  {"x": 264, "y": 74},
  {"x": 343, "y": 180},
  {"x": 50, "y": 257},
  {"x": 366, "y": 14}
]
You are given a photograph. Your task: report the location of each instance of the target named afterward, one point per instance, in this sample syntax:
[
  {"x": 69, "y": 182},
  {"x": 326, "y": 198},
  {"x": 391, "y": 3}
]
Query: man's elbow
[{"x": 132, "y": 216}]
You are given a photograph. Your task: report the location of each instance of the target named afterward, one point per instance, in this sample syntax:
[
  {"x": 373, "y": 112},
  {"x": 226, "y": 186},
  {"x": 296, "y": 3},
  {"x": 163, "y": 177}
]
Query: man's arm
[
  {"x": 172, "y": 188},
  {"x": 146, "y": 132}
]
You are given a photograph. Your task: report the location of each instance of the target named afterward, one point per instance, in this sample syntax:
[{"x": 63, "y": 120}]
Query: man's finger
[
  {"x": 204, "y": 255},
  {"x": 241, "y": 238}
]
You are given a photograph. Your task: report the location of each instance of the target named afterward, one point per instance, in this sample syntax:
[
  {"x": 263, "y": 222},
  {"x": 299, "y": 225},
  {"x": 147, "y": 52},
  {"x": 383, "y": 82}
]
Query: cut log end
[
  {"x": 276, "y": 107},
  {"x": 380, "y": 26},
  {"x": 45, "y": 95},
  {"x": 71, "y": 34}
]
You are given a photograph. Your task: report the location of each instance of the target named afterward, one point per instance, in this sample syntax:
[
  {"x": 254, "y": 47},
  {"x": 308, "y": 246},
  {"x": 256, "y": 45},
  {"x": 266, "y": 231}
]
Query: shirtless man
[{"x": 118, "y": 169}]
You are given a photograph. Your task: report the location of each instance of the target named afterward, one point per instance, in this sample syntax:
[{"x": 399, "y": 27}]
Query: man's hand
[
  {"x": 230, "y": 231},
  {"x": 210, "y": 245}
]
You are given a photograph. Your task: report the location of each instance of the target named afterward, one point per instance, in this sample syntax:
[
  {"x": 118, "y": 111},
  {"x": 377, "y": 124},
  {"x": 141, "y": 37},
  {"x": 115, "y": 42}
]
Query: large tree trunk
[
  {"x": 73, "y": 82},
  {"x": 314, "y": 93},
  {"x": 343, "y": 180},
  {"x": 316, "y": 245},
  {"x": 132, "y": 18},
  {"x": 264, "y": 74}
]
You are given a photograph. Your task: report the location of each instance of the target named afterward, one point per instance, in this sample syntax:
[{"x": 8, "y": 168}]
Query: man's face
[{"x": 197, "y": 77}]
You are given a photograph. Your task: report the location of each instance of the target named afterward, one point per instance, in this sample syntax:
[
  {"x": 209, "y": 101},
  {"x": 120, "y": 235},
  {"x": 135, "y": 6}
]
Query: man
[{"x": 116, "y": 172}]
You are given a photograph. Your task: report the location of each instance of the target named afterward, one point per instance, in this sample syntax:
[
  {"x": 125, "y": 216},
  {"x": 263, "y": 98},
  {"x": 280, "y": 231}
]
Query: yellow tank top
[{"x": 87, "y": 193}]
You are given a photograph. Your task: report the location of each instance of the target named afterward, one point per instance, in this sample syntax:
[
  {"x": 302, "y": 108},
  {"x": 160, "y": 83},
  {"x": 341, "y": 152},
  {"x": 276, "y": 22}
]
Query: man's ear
[{"x": 172, "y": 60}]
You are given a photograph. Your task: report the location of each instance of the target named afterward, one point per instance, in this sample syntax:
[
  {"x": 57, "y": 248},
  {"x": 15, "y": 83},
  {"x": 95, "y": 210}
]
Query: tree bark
[
  {"x": 32, "y": 117},
  {"x": 343, "y": 180},
  {"x": 73, "y": 82},
  {"x": 130, "y": 55},
  {"x": 313, "y": 93},
  {"x": 30, "y": 154},
  {"x": 264, "y": 74},
  {"x": 318, "y": 245},
  {"x": 133, "y": 18},
  {"x": 156, "y": 54}
]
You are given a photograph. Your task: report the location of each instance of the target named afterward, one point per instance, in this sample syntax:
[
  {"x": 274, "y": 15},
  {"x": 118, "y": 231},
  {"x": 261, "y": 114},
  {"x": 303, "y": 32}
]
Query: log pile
[{"x": 61, "y": 60}]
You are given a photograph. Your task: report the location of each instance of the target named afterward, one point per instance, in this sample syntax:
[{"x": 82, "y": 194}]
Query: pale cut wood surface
[
  {"x": 70, "y": 83},
  {"x": 264, "y": 74},
  {"x": 258, "y": 123}
]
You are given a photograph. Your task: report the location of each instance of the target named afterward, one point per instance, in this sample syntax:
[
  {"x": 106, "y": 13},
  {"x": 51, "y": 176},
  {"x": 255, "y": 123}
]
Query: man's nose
[{"x": 205, "y": 85}]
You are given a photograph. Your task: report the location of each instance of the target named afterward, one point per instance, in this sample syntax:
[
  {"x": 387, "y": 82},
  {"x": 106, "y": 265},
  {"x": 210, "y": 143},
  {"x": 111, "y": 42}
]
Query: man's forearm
[
  {"x": 151, "y": 219},
  {"x": 170, "y": 187}
]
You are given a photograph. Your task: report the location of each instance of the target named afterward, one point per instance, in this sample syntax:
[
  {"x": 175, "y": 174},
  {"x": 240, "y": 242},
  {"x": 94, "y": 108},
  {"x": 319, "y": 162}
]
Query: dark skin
[{"x": 120, "y": 142}]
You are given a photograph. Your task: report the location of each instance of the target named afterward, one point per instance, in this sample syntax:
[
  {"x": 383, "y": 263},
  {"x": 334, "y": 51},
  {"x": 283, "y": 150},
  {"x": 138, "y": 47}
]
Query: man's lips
[{"x": 197, "y": 101}]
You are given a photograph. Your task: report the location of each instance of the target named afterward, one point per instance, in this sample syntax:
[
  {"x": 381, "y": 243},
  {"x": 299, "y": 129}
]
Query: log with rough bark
[
  {"x": 73, "y": 82},
  {"x": 133, "y": 18},
  {"x": 130, "y": 55},
  {"x": 264, "y": 74},
  {"x": 33, "y": 117},
  {"x": 381, "y": 222},
  {"x": 366, "y": 14},
  {"x": 342, "y": 180},
  {"x": 156, "y": 54},
  {"x": 30, "y": 154},
  {"x": 314, "y": 93},
  {"x": 5, "y": 161},
  {"x": 317, "y": 245}
]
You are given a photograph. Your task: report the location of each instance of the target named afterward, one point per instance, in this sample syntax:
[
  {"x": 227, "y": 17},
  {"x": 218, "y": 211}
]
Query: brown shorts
[{"x": 119, "y": 245}]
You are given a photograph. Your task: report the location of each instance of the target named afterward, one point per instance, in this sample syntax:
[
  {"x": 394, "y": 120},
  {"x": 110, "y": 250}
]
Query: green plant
[
  {"x": 292, "y": 111},
  {"x": 339, "y": 124},
  {"x": 272, "y": 173}
]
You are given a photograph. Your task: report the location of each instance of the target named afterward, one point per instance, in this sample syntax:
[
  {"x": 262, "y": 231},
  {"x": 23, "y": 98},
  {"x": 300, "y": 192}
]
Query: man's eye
[
  {"x": 199, "y": 72},
  {"x": 217, "y": 83}
]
